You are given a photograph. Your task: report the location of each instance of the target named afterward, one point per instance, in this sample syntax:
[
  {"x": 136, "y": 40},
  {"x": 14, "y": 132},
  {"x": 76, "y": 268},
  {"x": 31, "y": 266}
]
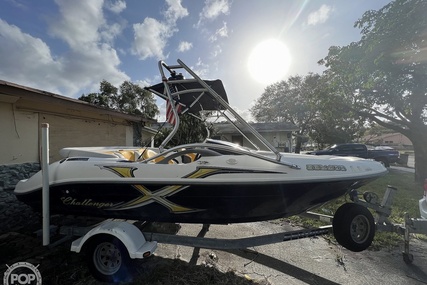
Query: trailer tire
[
  {"x": 354, "y": 227},
  {"x": 108, "y": 259}
]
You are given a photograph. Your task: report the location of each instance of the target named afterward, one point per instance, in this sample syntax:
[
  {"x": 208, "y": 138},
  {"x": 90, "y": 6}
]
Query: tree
[
  {"x": 132, "y": 99},
  {"x": 332, "y": 125},
  {"x": 328, "y": 130},
  {"x": 383, "y": 76},
  {"x": 105, "y": 98},
  {"x": 191, "y": 130},
  {"x": 302, "y": 100},
  {"x": 289, "y": 101}
]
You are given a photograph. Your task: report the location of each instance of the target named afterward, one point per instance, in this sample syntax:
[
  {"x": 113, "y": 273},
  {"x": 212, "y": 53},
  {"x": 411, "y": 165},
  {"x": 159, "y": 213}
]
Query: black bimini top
[{"x": 196, "y": 100}]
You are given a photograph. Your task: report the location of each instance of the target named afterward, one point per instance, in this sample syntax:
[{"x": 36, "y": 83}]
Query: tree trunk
[
  {"x": 418, "y": 137},
  {"x": 298, "y": 144},
  {"x": 420, "y": 159},
  {"x": 417, "y": 134}
]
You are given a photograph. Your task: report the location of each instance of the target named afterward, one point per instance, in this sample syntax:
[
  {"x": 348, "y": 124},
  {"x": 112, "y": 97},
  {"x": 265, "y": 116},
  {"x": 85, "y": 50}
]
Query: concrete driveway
[{"x": 305, "y": 261}]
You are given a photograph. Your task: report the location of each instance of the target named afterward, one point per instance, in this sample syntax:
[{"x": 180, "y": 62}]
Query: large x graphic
[{"x": 149, "y": 197}]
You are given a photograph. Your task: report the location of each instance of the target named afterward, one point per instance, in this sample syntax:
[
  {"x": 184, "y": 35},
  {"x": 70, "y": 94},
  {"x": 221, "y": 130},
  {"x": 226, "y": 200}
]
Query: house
[
  {"x": 279, "y": 134},
  {"x": 71, "y": 122},
  {"x": 392, "y": 139}
]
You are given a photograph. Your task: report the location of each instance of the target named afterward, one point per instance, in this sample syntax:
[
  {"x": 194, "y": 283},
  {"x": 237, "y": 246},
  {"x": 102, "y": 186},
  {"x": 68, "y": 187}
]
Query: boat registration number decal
[{"x": 321, "y": 167}]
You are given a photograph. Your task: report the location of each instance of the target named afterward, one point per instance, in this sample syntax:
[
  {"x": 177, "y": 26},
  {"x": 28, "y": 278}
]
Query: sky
[{"x": 69, "y": 47}]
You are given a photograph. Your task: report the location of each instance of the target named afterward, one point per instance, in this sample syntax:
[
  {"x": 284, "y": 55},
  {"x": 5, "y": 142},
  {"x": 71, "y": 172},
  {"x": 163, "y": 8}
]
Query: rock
[
  {"x": 15, "y": 215},
  {"x": 11, "y": 174}
]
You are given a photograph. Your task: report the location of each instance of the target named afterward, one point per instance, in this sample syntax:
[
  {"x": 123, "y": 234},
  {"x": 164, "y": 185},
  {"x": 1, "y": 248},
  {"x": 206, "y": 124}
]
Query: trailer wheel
[
  {"x": 108, "y": 259},
  {"x": 353, "y": 227}
]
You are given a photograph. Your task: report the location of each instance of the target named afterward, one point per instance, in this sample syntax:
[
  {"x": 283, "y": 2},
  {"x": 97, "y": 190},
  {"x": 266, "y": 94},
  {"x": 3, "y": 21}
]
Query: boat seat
[
  {"x": 144, "y": 154},
  {"x": 135, "y": 154},
  {"x": 193, "y": 154},
  {"x": 127, "y": 154},
  {"x": 147, "y": 153},
  {"x": 189, "y": 157}
]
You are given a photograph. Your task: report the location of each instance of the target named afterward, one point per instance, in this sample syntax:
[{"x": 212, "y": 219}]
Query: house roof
[
  {"x": 32, "y": 99},
  {"x": 225, "y": 128}
]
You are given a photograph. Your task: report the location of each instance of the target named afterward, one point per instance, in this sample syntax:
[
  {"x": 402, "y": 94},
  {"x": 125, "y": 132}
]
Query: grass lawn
[{"x": 405, "y": 201}]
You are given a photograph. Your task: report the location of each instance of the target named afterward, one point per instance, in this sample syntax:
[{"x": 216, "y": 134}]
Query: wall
[
  {"x": 395, "y": 140},
  {"x": 65, "y": 131},
  {"x": 19, "y": 135}
]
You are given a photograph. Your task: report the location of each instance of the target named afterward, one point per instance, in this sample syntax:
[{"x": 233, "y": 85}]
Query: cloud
[
  {"x": 216, "y": 50},
  {"x": 28, "y": 59},
  {"x": 82, "y": 22},
  {"x": 151, "y": 36},
  {"x": 214, "y": 8},
  {"x": 320, "y": 16},
  {"x": 175, "y": 11},
  {"x": 201, "y": 68},
  {"x": 184, "y": 46},
  {"x": 78, "y": 22},
  {"x": 115, "y": 7},
  {"x": 92, "y": 57},
  {"x": 17, "y": 4},
  {"x": 221, "y": 32},
  {"x": 88, "y": 56},
  {"x": 108, "y": 35}
]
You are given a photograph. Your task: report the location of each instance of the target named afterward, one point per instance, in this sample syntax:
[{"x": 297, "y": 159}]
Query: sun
[{"x": 269, "y": 61}]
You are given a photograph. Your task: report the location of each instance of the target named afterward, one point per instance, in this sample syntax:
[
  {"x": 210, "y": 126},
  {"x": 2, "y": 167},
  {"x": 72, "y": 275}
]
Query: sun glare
[{"x": 269, "y": 61}]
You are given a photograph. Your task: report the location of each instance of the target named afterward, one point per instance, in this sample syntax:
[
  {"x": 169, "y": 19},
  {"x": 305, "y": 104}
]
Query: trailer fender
[{"x": 131, "y": 237}]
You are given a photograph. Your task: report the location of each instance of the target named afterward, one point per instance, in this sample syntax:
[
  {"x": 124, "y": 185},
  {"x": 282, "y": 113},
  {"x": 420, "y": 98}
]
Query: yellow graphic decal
[
  {"x": 122, "y": 171},
  {"x": 201, "y": 172},
  {"x": 148, "y": 196},
  {"x": 160, "y": 196}
]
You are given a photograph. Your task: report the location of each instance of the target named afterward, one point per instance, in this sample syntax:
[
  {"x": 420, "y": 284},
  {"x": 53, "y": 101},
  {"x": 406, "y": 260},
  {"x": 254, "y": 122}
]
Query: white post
[{"x": 45, "y": 190}]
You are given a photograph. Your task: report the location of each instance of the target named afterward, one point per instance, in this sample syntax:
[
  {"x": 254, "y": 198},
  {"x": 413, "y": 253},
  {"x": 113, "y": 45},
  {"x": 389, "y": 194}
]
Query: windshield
[{"x": 221, "y": 142}]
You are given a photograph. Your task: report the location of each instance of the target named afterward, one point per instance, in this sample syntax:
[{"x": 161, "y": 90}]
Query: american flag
[{"x": 170, "y": 118}]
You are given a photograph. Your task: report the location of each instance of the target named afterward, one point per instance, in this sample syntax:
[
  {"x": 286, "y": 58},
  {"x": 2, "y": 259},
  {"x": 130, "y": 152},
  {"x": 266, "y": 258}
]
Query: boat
[{"x": 210, "y": 182}]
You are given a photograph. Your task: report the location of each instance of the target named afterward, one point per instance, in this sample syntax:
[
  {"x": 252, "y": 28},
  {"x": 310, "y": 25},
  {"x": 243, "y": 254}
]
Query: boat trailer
[
  {"x": 383, "y": 211},
  {"x": 111, "y": 244}
]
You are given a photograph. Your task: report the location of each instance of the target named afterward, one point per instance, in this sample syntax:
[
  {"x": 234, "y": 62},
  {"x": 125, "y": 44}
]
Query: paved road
[
  {"x": 410, "y": 166},
  {"x": 404, "y": 169}
]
